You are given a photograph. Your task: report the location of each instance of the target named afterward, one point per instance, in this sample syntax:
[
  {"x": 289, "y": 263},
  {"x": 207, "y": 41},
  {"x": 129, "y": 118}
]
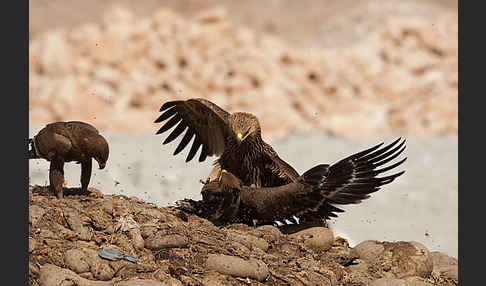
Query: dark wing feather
[
  {"x": 348, "y": 181},
  {"x": 175, "y": 133},
  {"x": 202, "y": 119},
  {"x": 352, "y": 179},
  {"x": 185, "y": 140},
  {"x": 194, "y": 148}
]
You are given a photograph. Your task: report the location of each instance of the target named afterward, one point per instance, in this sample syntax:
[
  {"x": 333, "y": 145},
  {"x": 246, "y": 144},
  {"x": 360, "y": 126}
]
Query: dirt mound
[
  {"x": 174, "y": 248},
  {"x": 116, "y": 74}
]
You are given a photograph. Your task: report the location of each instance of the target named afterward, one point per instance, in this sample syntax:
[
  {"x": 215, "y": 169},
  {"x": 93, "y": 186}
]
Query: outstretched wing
[
  {"x": 204, "y": 120},
  {"x": 352, "y": 179},
  {"x": 348, "y": 181}
]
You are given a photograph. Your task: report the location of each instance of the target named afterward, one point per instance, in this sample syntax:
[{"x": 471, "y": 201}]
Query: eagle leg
[
  {"x": 56, "y": 177},
  {"x": 215, "y": 172},
  {"x": 85, "y": 175},
  {"x": 215, "y": 175}
]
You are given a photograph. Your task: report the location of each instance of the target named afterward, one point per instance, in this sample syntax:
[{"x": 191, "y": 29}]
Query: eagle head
[
  {"x": 245, "y": 126},
  {"x": 100, "y": 151}
]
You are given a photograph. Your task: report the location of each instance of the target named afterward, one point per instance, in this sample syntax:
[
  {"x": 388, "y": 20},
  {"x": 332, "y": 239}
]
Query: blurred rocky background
[
  {"x": 328, "y": 65},
  {"x": 337, "y": 76}
]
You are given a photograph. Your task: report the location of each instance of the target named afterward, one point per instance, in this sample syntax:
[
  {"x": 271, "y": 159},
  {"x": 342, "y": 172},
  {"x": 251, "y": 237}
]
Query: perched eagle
[
  {"x": 62, "y": 142},
  {"x": 235, "y": 138},
  {"x": 315, "y": 193}
]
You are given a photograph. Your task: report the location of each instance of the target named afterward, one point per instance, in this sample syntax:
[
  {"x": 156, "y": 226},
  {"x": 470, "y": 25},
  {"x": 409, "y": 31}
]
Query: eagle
[
  {"x": 314, "y": 193},
  {"x": 235, "y": 138},
  {"x": 62, "y": 142}
]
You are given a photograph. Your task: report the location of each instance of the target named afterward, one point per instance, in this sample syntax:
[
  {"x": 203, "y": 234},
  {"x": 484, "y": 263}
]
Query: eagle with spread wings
[
  {"x": 315, "y": 193},
  {"x": 235, "y": 138}
]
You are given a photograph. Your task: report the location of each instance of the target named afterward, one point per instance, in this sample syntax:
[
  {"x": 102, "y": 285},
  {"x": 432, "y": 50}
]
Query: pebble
[
  {"x": 52, "y": 275},
  {"x": 75, "y": 260},
  {"x": 389, "y": 282},
  {"x": 317, "y": 238},
  {"x": 140, "y": 282},
  {"x": 137, "y": 240},
  {"x": 249, "y": 241},
  {"x": 415, "y": 281},
  {"x": 406, "y": 259},
  {"x": 445, "y": 265},
  {"x": 235, "y": 266},
  {"x": 368, "y": 250},
  {"x": 160, "y": 241},
  {"x": 35, "y": 214},
  {"x": 32, "y": 244},
  {"x": 269, "y": 233},
  {"x": 74, "y": 221},
  {"x": 412, "y": 281}
]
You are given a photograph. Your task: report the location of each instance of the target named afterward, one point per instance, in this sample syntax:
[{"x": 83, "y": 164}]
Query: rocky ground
[{"x": 175, "y": 248}]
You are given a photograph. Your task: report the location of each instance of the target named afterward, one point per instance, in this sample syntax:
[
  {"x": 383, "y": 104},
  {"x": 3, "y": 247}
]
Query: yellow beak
[{"x": 241, "y": 137}]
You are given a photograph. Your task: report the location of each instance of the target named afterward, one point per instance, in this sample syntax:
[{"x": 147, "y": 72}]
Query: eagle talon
[
  {"x": 204, "y": 182},
  {"x": 221, "y": 174}
]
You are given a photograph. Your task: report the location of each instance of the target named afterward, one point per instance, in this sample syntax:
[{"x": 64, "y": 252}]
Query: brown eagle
[
  {"x": 235, "y": 138},
  {"x": 315, "y": 193},
  {"x": 62, "y": 142}
]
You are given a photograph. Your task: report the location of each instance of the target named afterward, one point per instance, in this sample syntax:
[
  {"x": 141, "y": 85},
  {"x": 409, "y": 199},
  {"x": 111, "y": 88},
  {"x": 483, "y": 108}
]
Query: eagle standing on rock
[
  {"x": 315, "y": 193},
  {"x": 235, "y": 137},
  {"x": 62, "y": 142}
]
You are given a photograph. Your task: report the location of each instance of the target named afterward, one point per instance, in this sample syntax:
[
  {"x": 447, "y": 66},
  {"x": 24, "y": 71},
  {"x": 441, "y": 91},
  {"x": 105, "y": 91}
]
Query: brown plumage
[
  {"x": 315, "y": 193},
  {"x": 62, "y": 142},
  {"x": 235, "y": 138}
]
